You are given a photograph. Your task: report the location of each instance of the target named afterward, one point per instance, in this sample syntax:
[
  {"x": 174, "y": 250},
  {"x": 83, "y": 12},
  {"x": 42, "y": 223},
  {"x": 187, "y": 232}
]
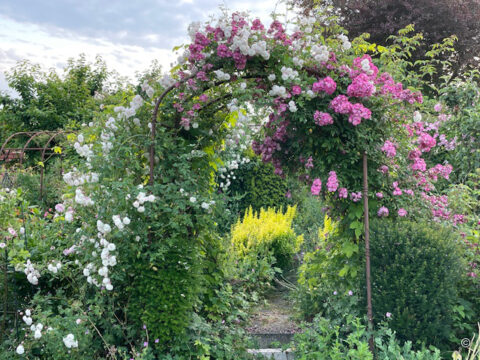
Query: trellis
[{"x": 10, "y": 154}]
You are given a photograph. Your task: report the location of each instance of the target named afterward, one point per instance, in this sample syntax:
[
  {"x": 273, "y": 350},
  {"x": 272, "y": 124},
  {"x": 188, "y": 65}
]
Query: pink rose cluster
[
  {"x": 426, "y": 142},
  {"x": 389, "y": 148},
  {"x": 332, "y": 182},
  {"x": 316, "y": 187},
  {"x": 322, "y": 118},
  {"x": 382, "y": 212},
  {"x": 356, "y": 112},
  {"x": 361, "y": 86},
  {"x": 327, "y": 85}
]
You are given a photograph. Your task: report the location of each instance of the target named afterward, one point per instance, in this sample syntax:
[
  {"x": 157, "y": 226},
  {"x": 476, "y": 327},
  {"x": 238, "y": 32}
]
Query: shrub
[
  {"x": 416, "y": 268},
  {"x": 258, "y": 186},
  {"x": 268, "y": 232},
  {"x": 328, "y": 274}
]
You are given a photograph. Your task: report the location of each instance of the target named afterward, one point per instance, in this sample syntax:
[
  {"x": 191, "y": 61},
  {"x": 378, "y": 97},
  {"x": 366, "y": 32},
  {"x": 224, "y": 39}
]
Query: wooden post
[{"x": 367, "y": 250}]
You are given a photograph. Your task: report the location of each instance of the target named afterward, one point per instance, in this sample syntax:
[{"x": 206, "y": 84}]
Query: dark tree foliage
[{"x": 435, "y": 19}]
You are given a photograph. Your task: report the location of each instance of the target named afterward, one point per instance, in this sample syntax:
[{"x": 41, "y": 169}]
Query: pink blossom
[
  {"x": 342, "y": 193},
  {"x": 382, "y": 212},
  {"x": 356, "y": 196},
  {"x": 296, "y": 90},
  {"x": 185, "y": 122},
  {"x": 388, "y": 315},
  {"x": 316, "y": 187},
  {"x": 383, "y": 169},
  {"x": 437, "y": 107},
  {"x": 419, "y": 165},
  {"x": 60, "y": 208},
  {"x": 341, "y": 105},
  {"x": 257, "y": 25},
  {"x": 327, "y": 85},
  {"x": 357, "y": 113},
  {"x": 402, "y": 212},
  {"x": 309, "y": 163},
  {"x": 332, "y": 182},
  {"x": 426, "y": 142},
  {"x": 322, "y": 118},
  {"x": 361, "y": 86},
  {"x": 350, "y": 292},
  {"x": 2, "y": 245},
  {"x": 389, "y": 148},
  {"x": 379, "y": 195},
  {"x": 12, "y": 231},
  {"x": 223, "y": 51},
  {"x": 288, "y": 194},
  {"x": 203, "y": 98}
]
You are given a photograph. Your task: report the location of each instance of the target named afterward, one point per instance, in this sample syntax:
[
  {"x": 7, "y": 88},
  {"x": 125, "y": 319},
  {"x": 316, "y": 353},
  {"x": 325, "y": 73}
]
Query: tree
[
  {"x": 435, "y": 19},
  {"x": 48, "y": 101}
]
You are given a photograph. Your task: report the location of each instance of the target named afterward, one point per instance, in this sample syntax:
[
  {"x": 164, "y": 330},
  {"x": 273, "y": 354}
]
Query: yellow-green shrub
[{"x": 264, "y": 233}]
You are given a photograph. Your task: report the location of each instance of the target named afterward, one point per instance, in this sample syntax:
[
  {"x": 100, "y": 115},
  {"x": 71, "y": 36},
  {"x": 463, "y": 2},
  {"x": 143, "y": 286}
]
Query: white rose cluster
[
  {"x": 32, "y": 274},
  {"x": 288, "y": 73},
  {"x": 70, "y": 341},
  {"x": 166, "y": 81},
  {"x": 119, "y": 222},
  {"x": 142, "y": 198},
  {"x": 320, "y": 53},
  {"x": 279, "y": 91},
  {"x": 54, "y": 267},
  {"x": 346, "y": 44},
  {"x": 222, "y": 76},
  {"x": 76, "y": 178},
  {"x": 82, "y": 199}
]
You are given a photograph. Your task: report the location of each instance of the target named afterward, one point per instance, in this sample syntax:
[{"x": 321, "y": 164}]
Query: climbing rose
[
  {"x": 383, "y": 211},
  {"x": 316, "y": 187},
  {"x": 426, "y": 142},
  {"x": 361, "y": 86},
  {"x": 356, "y": 196},
  {"x": 332, "y": 182},
  {"x": 322, "y": 118},
  {"x": 296, "y": 90},
  {"x": 342, "y": 193},
  {"x": 327, "y": 85},
  {"x": 389, "y": 148},
  {"x": 402, "y": 212}
]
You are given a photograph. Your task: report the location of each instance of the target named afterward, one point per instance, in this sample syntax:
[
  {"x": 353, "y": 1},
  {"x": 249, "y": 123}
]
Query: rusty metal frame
[{"x": 20, "y": 152}]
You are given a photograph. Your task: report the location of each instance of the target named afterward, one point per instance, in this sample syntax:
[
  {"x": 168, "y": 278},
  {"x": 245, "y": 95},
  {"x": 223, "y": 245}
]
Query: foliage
[
  {"x": 417, "y": 269},
  {"x": 436, "y": 20},
  {"x": 267, "y": 233},
  {"x": 464, "y": 127},
  {"x": 310, "y": 216},
  {"x": 48, "y": 101},
  {"x": 258, "y": 187},
  {"x": 327, "y": 280},
  {"x": 323, "y": 341}
]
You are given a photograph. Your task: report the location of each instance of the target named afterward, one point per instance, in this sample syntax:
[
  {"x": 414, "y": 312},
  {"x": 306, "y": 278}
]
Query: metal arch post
[{"x": 43, "y": 158}]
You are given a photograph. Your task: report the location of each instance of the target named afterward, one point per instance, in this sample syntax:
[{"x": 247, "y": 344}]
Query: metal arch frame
[
  {"x": 21, "y": 151},
  {"x": 61, "y": 132}
]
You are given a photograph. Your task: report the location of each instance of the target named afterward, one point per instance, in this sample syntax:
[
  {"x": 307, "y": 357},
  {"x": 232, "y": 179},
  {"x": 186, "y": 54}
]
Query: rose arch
[{"x": 141, "y": 205}]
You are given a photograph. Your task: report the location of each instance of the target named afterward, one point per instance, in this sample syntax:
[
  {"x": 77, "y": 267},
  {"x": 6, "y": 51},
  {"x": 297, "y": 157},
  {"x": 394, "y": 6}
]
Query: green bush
[
  {"x": 258, "y": 186},
  {"x": 416, "y": 268}
]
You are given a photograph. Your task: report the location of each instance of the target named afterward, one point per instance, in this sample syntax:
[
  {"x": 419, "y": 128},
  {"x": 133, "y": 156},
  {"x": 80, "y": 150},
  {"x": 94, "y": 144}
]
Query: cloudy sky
[{"x": 128, "y": 34}]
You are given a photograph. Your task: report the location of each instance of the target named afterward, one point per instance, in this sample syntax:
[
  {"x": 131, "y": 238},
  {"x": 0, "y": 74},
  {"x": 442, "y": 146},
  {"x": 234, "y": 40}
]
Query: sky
[{"x": 127, "y": 34}]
